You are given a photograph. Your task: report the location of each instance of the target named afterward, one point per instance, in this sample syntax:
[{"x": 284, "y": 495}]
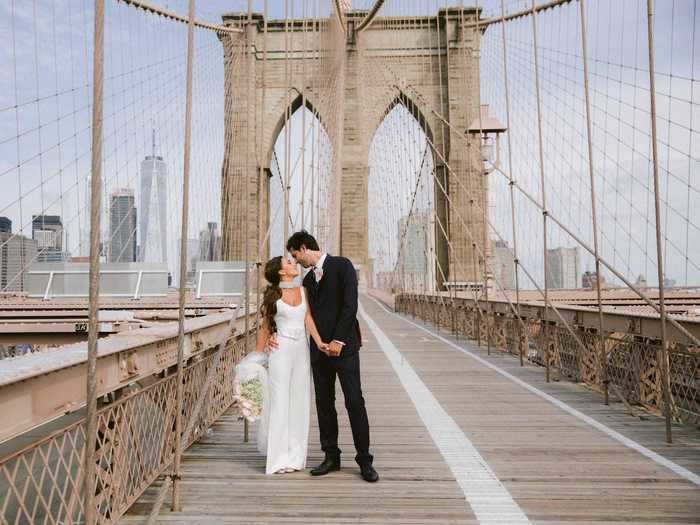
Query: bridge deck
[{"x": 456, "y": 420}]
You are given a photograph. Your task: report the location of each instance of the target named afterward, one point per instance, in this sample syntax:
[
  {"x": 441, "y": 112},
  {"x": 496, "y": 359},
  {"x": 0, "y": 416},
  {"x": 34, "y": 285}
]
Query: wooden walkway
[{"x": 553, "y": 466}]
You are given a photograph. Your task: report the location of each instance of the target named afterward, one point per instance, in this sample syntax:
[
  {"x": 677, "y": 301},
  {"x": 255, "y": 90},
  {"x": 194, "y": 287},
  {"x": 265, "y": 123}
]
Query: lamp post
[{"x": 489, "y": 129}]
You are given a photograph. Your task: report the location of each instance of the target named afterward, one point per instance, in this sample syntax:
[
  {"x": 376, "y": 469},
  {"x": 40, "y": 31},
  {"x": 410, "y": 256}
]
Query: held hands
[
  {"x": 331, "y": 349},
  {"x": 334, "y": 348}
]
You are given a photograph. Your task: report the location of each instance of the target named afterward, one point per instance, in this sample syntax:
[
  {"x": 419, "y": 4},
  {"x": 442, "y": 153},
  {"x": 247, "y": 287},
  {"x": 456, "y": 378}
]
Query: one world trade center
[{"x": 154, "y": 194}]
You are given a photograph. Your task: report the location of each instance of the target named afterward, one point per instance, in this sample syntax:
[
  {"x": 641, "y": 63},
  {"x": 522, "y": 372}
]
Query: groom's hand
[
  {"x": 334, "y": 348},
  {"x": 272, "y": 342}
]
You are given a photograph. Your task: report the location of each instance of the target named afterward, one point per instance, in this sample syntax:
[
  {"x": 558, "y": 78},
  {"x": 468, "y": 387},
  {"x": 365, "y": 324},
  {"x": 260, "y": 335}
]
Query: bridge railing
[
  {"x": 42, "y": 482},
  {"x": 633, "y": 348}
]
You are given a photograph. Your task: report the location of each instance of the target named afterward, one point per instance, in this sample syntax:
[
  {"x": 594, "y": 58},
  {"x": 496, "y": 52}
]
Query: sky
[{"x": 45, "y": 105}]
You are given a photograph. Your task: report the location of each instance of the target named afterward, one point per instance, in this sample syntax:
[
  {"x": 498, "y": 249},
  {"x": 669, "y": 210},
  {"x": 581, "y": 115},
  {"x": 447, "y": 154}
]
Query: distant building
[
  {"x": 415, "y": 239},
  {"x": 52, "y": 255},
  {"x": 192, "y": 257},
  {"x": 503, "y": 266},
  {"x": 588, "y": 280},
  {"x": 154, "y": 205},
  {"x": 122, "y": 226},
  {"x": 17, "y": 252},
  {"x": 562, "y": 268},
  {"x": 47, "y": 231},
  {"x": 210, "y": 243},
  {"x": 641, "y": 281},
  {"x": 669, "y": 283},
  {"x": 5, "y": 225}
]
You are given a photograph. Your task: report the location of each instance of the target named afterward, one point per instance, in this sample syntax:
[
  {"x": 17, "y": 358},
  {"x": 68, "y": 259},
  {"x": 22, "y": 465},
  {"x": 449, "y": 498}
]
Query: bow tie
[{"x": 318, "y": 273}]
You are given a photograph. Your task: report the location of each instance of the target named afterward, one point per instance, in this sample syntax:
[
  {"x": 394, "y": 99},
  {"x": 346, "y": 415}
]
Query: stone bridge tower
[{"x": 361, "y": 77}]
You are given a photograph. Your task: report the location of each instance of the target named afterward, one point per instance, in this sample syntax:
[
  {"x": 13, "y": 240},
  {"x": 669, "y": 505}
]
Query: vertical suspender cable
[
  {"x": 183, "y": 261},
  {"x": 484, "y": 192},
  {"x": 666, "y": 384},
  {"x": 250, "y": 155},
  {"x": 89, "y": 468},
  {"x": 287, "y": 118},
  {"x": 545, "y": 320},
  {"x": 262, "y": 181},
  {"x": 303, "y": 115},
  {"x": 589, "y": 136},
  {"x": 511, "y": 184}
]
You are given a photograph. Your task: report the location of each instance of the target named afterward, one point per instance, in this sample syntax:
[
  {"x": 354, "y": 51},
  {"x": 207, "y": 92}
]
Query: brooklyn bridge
[{"x": 516, "y": 183}]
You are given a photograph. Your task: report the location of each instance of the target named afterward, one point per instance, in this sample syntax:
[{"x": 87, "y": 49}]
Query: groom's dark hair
[{"x": 302, "y": 238}]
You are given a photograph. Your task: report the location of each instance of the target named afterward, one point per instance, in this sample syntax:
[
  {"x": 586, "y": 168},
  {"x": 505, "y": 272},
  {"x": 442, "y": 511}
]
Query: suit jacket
[{"x": 333, "y": 304}]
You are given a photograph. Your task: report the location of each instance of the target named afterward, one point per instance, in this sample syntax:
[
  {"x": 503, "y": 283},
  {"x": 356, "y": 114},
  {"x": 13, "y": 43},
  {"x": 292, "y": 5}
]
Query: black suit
[{"x": 333, "y": 303}]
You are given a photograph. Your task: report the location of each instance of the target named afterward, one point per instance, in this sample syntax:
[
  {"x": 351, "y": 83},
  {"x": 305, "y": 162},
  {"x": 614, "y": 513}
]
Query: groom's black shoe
[
  {"x": 368, "y": 473},
  {"x": 330, "y": 464}
]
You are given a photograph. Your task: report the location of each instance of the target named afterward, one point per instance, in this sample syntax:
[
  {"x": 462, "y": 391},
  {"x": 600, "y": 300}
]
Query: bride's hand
[{"x": 323, "y": 347}]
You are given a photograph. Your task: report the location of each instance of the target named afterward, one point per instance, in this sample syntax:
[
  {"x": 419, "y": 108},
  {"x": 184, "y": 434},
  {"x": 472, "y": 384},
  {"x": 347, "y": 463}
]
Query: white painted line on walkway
[
  {"x": 486, "y": 495},
  {"x": 630, "y": 443}
]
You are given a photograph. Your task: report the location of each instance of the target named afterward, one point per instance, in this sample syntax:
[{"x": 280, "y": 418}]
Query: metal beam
[{"x": 40, "y": 387}]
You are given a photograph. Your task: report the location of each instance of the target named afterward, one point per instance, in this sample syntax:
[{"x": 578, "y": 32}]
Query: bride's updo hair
[{"x": 272, "y": 293}]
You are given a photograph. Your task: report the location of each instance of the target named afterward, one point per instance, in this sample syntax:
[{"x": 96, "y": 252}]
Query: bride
[{"x": 285, "y": 313}]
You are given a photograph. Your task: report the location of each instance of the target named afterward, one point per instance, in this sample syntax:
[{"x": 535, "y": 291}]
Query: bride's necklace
[{"x": 286, "y": 285}]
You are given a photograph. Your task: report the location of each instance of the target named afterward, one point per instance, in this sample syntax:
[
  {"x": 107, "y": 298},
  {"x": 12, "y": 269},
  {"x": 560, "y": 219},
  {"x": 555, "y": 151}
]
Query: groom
[{"x": 332, "y": 292}]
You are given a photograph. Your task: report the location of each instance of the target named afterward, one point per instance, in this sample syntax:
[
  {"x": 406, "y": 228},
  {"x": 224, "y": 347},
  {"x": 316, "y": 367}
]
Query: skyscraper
[
  {"x": 504, "y": 267},
  {"x": 17, "y": 252},
  {"x": 47, "y": 232},
  {"x": 122, "y": 226},
  {"x": 415, "y": 259},
  {"x": 209, "y": 242},
  {"x": 192, "y": 258},
  {"x": 5, "y": 225},
  {"x": 563, "y": 268},
  {"x": 154, "y": 205}
]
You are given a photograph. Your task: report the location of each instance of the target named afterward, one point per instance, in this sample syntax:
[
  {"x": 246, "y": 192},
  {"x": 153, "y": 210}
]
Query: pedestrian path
[{"x": 458, "y": 438}]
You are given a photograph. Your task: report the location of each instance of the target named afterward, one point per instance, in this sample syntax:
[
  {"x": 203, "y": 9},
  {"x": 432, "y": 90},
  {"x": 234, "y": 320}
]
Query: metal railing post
[
  {"x": 89, "y": 467},
  {"x": 665, "y": 379},
  {"x": 49, "y": 284},
  {"x": 138, "y": 285},
  {"x": 183, "y": 261}
]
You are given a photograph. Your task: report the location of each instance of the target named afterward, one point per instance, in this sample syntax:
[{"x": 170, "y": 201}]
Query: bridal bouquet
[
  {"x": 249, "y": 396},
  {"x": 249, "y": 385}
]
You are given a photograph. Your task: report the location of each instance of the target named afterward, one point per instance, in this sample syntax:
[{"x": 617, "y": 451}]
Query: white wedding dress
[{"x": 289, "y": 391}]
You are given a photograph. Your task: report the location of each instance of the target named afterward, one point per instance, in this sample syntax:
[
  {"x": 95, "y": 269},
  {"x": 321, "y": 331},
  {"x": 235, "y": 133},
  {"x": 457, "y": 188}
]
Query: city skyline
[{"x": 156, "y": 100}]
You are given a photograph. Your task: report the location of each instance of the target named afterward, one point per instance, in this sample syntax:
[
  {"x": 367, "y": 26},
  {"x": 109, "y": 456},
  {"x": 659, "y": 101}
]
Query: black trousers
[{"x": 347, "y": 368}]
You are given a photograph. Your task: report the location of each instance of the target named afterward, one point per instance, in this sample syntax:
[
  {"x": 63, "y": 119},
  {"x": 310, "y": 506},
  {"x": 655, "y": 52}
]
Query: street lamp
[{"x": 489, "y": 128}]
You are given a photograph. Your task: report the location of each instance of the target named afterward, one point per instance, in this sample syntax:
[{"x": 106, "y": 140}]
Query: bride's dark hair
[{"x": 272, "y": 293}]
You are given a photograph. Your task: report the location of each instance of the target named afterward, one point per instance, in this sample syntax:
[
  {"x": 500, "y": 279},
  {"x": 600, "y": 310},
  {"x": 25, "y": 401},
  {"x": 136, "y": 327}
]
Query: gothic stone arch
[{"x": 369, "y": 88}]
